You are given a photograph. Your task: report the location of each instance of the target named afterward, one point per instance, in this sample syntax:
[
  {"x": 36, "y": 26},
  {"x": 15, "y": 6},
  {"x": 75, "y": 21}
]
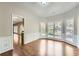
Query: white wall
[
  {"x": 6, "y": 40},
  {"x": 31, "y": 23},
  {"x": 31, "y": 28}
]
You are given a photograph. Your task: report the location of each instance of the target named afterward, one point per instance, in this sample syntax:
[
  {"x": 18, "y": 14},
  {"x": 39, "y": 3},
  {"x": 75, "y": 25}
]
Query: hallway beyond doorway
[{"x": 18, "y": 31}]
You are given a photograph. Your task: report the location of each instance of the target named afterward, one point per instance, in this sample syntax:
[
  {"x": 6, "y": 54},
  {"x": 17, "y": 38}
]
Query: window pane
[
  {"x": 58, "y": 29},
  {"x": 50, "y": 29},
  {"x": 70, "y": 30},
  {"x": 43, "y": 29}
]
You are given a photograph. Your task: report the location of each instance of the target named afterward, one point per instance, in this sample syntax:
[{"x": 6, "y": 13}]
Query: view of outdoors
[{"x": 56, "y": 30}]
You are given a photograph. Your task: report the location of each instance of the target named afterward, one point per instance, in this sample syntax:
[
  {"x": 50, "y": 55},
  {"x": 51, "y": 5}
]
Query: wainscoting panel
[{"x": 6, "y": 43}]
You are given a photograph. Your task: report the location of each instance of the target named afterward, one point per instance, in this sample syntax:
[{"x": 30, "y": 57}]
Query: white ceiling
[{"x": 52, "y": 8}]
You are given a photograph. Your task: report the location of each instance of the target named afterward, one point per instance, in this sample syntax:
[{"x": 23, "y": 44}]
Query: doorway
[{"x": 18, "y": 31}]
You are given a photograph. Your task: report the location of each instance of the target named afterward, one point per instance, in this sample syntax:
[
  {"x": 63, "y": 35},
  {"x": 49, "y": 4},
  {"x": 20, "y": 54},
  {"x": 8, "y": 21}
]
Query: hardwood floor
[
  {"x": 17, "y": 51},
  {"x": 45, "y": 47},
  {"x": 7, "y": 53}
]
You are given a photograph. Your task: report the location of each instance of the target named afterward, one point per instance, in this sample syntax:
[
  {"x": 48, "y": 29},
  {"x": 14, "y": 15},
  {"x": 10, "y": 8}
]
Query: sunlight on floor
[
  {"x": 42, "y": 48},
  {"x": 54, "y": 48},
  {"x": 69, "y": 50},
  {"x": 15, "y": 38},
  {"x": 50, "y": 48},
  {"x": 58, "y": 49}
]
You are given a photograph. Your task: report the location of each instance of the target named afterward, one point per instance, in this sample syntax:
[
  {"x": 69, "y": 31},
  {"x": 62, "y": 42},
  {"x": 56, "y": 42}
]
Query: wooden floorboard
[
  {"x": 7, "y": 53},
  {"x": 33, "y": 49}
]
